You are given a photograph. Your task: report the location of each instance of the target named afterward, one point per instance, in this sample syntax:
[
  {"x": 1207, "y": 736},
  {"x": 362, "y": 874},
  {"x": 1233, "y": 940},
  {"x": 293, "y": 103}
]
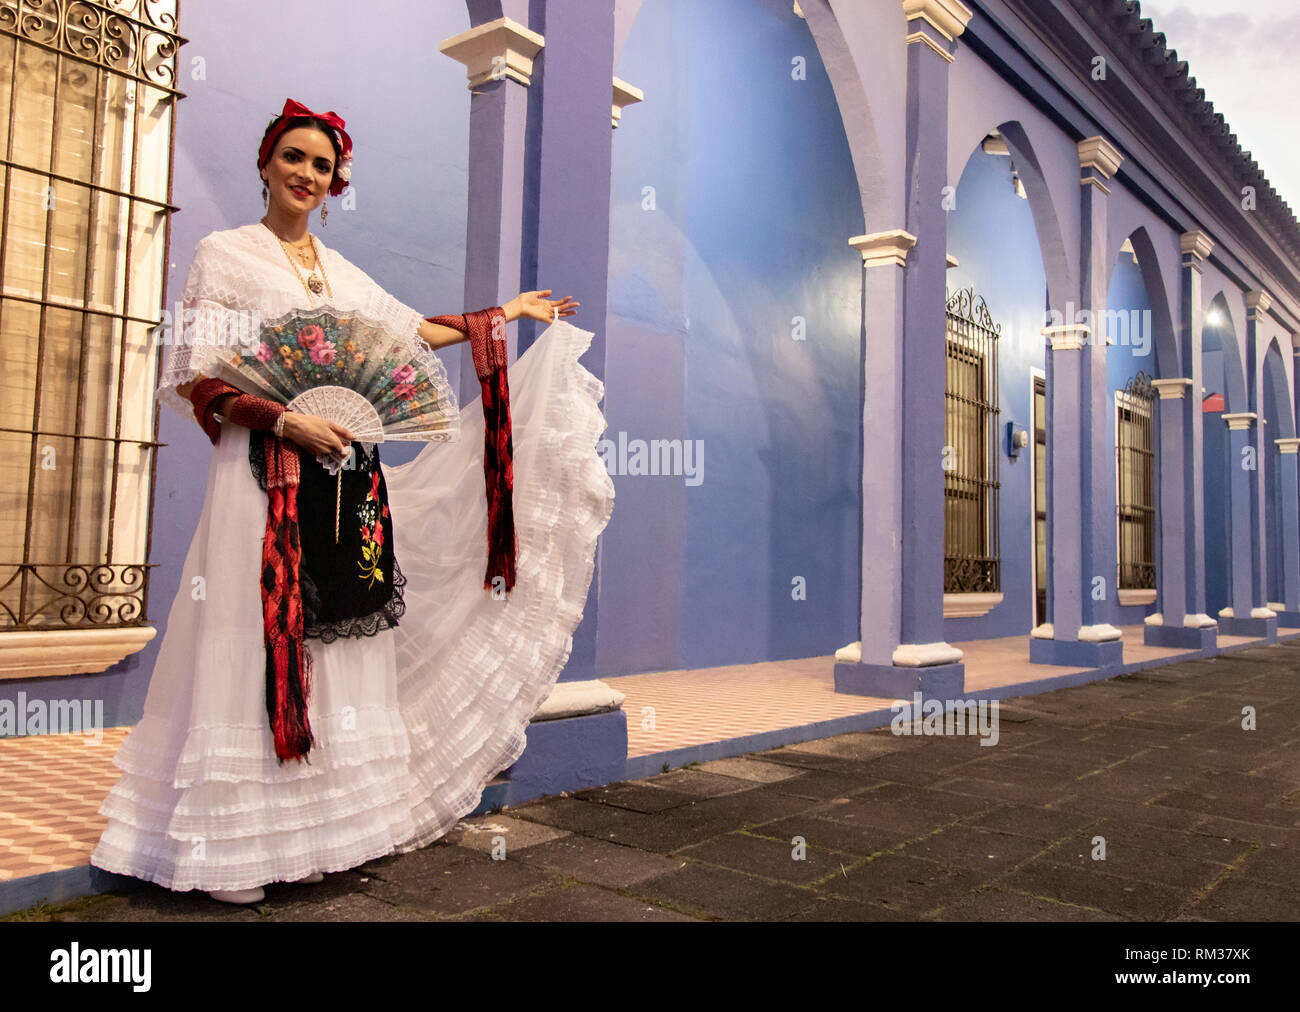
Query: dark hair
[{"x": 305, "y": 121}]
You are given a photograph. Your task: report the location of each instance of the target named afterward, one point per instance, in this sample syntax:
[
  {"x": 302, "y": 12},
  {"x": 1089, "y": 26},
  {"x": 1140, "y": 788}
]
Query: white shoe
[
  {"x": 254, "y": 895},
  {"x": 311, "y": 879}
]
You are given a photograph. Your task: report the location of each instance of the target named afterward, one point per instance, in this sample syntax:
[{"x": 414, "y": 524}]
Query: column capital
[
  {"x": 1257, "y": 303},
  {"x": 503, "y": 43},
  {"x": 1240, "y": 419},
  {"x": 1172, "y": 389},
  {"x": 1195, "y": 244},
  {"x": 624, "y": 94},
  {"x": 1100, "y": 154},
  {"x": 927, "y": 19},
  {"x": 1067, "y": 336},
  {"x": 879, "y": 248},
  {"x": 948, "y": 17},
  {"x": 1288, "y": 446}
]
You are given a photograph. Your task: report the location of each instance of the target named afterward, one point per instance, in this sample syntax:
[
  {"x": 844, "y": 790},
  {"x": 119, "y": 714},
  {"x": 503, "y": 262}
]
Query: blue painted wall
[
  {"x": 991, "y": 233},
  {"x": 1133, "y": 352},
  {"x": 1272, "y": 491},
  {"x": 1216, "y": 469},
  {"x": 733, "y": 201},
  {"x": 410, "y": 131}
]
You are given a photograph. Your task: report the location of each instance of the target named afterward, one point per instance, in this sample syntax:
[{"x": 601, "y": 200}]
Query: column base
[
  {"x": 891, "y": 681},
  {"x": 1256, "y": 628},
  {"x": 1204, "y": 638},
  {"x": 568, "y": 754},
  {"x": 1288, "y": 619},
  {"x": 1075, "y": 653}
]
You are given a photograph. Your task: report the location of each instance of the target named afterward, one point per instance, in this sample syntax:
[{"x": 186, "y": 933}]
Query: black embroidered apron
[{"x": 351, "y": 587}]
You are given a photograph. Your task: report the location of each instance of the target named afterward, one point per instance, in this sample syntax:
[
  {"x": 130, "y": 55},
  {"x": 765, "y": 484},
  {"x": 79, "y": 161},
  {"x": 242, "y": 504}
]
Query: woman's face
[{"x": 300, "y": 170}]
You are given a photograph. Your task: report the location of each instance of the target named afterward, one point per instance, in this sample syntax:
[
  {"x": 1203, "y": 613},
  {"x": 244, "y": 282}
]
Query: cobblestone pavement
[{"x": 1200, "y": 818}]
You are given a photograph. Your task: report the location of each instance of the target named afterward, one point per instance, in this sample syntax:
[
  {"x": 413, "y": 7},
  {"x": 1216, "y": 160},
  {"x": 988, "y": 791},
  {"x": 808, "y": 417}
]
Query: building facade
[{"x": 770, "y": 213}]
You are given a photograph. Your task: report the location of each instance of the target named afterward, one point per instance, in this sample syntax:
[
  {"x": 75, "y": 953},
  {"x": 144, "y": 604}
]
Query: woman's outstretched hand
[{"x": 536, "y": 306}]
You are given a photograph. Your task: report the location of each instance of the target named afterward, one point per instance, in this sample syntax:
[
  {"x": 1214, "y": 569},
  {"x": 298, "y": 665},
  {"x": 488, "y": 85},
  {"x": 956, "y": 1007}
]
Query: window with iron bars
[
  {"x": 1135, "y": 483},
  {"x": 972, "y": 564},
  {"x": 87, "y": 108}
]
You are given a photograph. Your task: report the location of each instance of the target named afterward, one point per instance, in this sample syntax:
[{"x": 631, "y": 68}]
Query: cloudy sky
[{"x": 1247, "y": 58}]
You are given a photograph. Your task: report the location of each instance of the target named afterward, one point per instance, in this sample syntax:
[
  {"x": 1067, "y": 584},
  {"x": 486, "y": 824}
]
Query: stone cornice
[
  {"x": 1167, "y": 80},
  {"x": 624, "y": 95},
  {"x": 914, "y": 37},
  {"x": 1196, "y": 244},
  {"x": 1257, "y": 303},
  {"x": 880, "y": 248},
  {"x": 1148, "y": 109},
  {"x": 1100, "y": 154},
  {"x": 503, "y": 38},
  {"x": 948, "y": 17},
  {"x": 1172, "y": 389},
  {"x": 1067, "y": 336}
]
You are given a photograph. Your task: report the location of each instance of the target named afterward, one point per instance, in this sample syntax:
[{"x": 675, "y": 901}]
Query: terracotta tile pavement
[{"x": 51, "y": 786}]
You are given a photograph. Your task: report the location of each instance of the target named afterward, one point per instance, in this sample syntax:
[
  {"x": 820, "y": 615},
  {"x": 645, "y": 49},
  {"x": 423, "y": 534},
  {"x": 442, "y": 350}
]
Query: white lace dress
[{"x": 411, "y": 723}]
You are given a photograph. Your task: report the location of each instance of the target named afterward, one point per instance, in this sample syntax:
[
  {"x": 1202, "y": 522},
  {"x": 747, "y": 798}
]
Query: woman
[{"x": 407, "y": 698}]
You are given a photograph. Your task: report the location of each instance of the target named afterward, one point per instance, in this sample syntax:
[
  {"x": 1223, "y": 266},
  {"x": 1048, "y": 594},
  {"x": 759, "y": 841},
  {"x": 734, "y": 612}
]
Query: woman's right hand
[{"x": 317, "y": 435}]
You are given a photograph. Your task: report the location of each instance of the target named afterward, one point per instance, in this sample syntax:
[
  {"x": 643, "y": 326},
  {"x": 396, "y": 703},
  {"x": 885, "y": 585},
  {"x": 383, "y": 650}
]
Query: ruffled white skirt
[{"x": 410, "y": 724}]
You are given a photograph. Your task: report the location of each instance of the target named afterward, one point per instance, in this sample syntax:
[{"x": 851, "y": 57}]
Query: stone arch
[
  {"x": 1047, "y": 224},
  {"x": 1224, "y": 335},
  {"x": 879, "y": 183},
  {"x": 1278, "y": 422},
  {"x": 1274, "y": 377},
  {"x": 1168, "y": 360}
]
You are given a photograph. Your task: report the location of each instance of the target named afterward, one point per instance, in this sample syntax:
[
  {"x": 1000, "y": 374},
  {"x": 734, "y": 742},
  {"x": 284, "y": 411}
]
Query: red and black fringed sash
[
  {"x": 488, "y": 344},
  {"x": 288, "y": 659}
]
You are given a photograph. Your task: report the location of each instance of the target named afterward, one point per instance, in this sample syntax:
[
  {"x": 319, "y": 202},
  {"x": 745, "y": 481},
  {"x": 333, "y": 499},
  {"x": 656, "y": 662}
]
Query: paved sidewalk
[{"x": 1200, "y": 820}]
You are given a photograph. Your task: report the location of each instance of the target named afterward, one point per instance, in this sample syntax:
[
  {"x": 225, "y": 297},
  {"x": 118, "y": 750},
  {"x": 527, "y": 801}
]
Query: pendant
[{"x": 314, "y": 283}]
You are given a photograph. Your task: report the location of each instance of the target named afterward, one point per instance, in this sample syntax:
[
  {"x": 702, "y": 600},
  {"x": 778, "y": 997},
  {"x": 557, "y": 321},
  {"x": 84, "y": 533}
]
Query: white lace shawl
[{"x": 241, "y": 277}]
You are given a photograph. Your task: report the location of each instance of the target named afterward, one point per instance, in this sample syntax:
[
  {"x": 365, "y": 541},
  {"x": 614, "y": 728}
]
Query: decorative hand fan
[{"x": 353, "y": 371}]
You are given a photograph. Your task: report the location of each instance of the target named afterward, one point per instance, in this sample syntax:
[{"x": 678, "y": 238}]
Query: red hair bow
[{"x": 294, "y": 109}]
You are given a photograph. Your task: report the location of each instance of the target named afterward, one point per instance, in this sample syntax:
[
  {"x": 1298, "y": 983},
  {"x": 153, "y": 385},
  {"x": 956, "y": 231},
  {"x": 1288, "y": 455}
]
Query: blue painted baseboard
[
  {"x": 1180, "y": 636},
  {"x": 893, "y": 681},
  {"x": 1075, "y": 653}
]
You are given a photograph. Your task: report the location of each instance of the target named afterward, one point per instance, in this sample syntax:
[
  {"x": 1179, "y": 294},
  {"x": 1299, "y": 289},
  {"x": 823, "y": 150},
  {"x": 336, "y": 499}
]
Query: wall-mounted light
[
  {"x": 1214, "y": 317},
  {"x": 1017, "y": 440}
]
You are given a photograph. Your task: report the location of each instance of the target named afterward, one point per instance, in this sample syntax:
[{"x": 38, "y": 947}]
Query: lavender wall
[
  {"x": 410, "y": 129},
  {"x": 991, "y": 233},
  {"x": 1132, "y": 352},
  {"x": 754, "y": 200}
]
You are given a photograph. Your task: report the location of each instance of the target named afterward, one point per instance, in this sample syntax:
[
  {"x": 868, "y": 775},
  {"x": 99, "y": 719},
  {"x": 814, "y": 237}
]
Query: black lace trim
[
  {"x": 366, "y": 625},
  {"x": 357, "y": 626}
]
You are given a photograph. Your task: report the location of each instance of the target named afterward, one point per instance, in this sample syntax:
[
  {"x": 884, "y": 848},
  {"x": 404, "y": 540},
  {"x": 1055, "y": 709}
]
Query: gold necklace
[
  {"x": 300, "y": 248},
  {"x": 312, "y": 284}
]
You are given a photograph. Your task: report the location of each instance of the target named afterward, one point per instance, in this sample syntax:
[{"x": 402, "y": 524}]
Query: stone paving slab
[{"x": 1200, "y": 817}]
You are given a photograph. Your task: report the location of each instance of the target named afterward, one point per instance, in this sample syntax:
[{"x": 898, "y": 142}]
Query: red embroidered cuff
[
  {"x": 246, "y": 410},
  {"x": 254, "y": 412},
  {"x": 486, "y": 329},
  {"x": 204, "y": 396}
]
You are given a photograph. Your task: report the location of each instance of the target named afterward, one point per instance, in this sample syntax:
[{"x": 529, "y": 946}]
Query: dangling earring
[
  {"x": 266, "y": 196},
  {"x": 323, "y": 212}
]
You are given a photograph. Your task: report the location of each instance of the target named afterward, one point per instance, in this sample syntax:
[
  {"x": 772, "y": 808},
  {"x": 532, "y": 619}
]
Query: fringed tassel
[
  {"x": 488, "y": 347},
  {"x": 288, "y": 660},
  {"x": 498, "y": 466}
]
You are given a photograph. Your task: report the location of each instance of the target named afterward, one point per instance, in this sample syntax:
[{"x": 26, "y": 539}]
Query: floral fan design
[{"x": 355, "y": 372}]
